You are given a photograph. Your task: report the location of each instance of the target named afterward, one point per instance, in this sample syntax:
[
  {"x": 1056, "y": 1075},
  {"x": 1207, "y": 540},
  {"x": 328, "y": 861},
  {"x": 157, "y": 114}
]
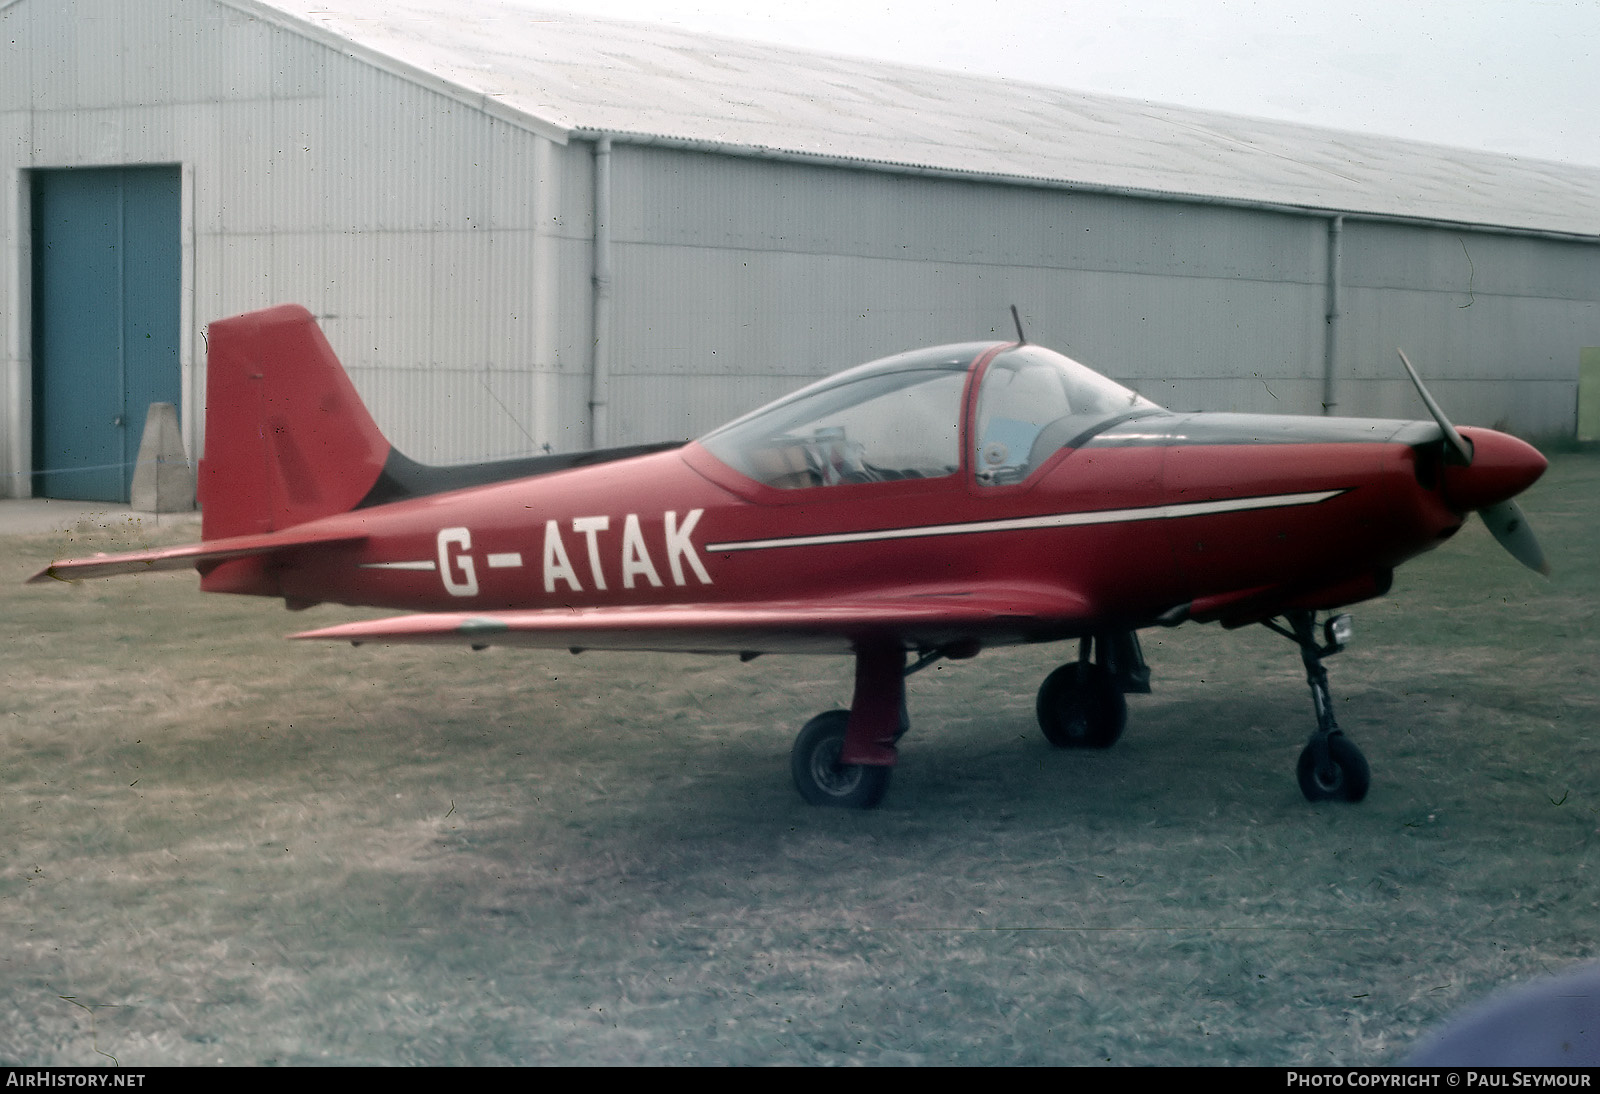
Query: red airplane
[{"x": 928, "y": 505}]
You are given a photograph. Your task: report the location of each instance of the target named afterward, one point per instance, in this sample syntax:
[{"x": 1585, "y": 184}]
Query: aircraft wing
[
  {"x": 182, "y": 558},
  {"x": 991, "y": 616}
]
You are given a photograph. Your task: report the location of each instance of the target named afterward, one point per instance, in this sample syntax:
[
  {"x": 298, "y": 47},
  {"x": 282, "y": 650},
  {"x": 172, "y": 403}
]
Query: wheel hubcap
[{"x": 829, "y": 774}]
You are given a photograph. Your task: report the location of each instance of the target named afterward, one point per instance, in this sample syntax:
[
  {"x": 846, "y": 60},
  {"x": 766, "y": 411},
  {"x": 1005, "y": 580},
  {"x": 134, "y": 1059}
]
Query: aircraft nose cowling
[{"x": 1502, "y": 467}]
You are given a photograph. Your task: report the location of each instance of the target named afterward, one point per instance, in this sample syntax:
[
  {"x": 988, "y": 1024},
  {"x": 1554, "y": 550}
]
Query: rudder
[{"x": 288, "y": 439}]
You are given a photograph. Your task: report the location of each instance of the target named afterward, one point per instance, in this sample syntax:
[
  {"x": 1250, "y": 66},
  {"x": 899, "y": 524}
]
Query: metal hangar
[{"x": 527, "y": 232}]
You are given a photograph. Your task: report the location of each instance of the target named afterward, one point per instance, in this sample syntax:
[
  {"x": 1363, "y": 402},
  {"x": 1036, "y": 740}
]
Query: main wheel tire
[
  {"x": 1081, "y": 706},
  {"x": 1345, "y": 777},
  {"x": 822, "y": 779}
]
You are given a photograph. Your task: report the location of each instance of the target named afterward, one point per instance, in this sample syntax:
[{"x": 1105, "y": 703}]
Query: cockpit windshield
[
  {"x": 900, "y": 418},
  {"x": 1034, "y": 401}
]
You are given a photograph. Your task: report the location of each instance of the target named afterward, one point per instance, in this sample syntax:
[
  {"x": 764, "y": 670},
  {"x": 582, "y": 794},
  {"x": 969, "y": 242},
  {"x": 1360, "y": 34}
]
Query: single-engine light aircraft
[{"x": 928, "y": 505}]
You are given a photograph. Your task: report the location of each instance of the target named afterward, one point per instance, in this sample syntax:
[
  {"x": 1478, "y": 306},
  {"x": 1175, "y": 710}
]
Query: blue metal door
[{"x": 106, "y": 283}]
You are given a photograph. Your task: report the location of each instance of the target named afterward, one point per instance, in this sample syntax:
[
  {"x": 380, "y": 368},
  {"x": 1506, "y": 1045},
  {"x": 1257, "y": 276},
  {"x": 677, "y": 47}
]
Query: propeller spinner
[{"x": 1484, "y": 472}]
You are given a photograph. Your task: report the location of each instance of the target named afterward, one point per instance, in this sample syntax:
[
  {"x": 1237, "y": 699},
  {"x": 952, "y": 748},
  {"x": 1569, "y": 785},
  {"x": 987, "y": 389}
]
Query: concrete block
[{"x": 163, "y": 481}]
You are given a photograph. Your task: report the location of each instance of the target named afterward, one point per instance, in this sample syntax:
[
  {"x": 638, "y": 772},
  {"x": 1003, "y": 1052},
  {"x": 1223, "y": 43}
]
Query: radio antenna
[{"x": 1017, "y": 319}]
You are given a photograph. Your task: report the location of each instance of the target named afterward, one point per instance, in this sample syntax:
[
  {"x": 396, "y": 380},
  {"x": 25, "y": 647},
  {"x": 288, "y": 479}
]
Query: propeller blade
[
  {"x": 1507, "y": 524},
  {"x": 1457, "y": 444},
  {"x": 1505, "y": 519}
]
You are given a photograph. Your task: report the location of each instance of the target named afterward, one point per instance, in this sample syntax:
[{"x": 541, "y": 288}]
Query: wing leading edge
[{"x": 929, "y": 621}]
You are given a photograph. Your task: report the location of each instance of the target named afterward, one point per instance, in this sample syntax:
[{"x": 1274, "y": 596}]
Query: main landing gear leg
[
  {"x": 1330, "y": 767},
  {"x": 844, "y": 757}
]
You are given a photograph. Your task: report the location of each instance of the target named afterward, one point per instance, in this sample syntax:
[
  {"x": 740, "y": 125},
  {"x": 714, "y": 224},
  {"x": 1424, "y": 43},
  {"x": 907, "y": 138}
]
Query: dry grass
[{"x": 221, "y": 847}]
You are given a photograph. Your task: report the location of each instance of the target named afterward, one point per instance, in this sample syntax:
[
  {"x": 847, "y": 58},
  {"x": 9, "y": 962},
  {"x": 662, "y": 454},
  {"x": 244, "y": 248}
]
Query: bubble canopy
[{"x": 902, "y": 418}]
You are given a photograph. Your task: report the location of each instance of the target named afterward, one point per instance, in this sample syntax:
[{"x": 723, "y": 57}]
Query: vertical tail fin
[{"x": 287, "y": 437}]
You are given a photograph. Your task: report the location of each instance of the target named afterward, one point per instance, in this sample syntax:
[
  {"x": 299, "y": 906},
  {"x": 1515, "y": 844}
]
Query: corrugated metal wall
[
  {"x": 1495, "y": 322},
  {"x": 778, "y": 272},
  {"x": 730, "y": 266},
  {"x": 425, "y": 234}
]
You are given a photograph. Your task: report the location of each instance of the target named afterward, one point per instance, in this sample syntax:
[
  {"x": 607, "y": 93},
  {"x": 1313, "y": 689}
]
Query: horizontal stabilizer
[
  {"x": 931, "y": 621},
  {"x": 189, "y": 555}
]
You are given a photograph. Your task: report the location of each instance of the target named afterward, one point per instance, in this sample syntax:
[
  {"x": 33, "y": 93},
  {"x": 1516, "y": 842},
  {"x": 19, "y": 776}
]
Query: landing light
[{"x": 1338, "y": 631}]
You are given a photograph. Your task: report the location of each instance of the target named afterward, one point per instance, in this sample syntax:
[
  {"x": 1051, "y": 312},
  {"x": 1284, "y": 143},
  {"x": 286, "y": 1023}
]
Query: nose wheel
[{"x": 1335, "y": 772}]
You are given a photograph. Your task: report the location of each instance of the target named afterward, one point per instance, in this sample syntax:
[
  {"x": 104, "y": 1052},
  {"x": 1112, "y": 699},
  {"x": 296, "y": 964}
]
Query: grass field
[{"x": 220, "y": 847}]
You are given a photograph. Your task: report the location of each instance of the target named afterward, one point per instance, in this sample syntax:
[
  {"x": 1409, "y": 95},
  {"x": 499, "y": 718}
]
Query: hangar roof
[{"x": 572, "y": 77}]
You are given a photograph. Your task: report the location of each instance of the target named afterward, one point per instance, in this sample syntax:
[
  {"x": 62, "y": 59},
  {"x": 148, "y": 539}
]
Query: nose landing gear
[{"x": 1331, "y": 768}]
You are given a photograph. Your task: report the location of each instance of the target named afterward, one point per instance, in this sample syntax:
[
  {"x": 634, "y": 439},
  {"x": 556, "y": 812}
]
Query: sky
[{"x": 1520, "y": 77}]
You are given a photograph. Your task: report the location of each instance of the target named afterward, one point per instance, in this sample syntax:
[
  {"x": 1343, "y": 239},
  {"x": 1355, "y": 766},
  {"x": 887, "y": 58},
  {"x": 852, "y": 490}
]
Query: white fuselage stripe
[
  {"x": 1048, "y": 520},
  {"x": 511, "y": 560}
]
